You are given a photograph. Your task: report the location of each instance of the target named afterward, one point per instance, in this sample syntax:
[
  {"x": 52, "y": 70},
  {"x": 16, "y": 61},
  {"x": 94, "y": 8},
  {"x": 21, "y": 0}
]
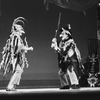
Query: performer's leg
[
  {"x": 63, "y": 79},
  {"x": 73, "y": 77},
  {"x": 15, "y": 79}
]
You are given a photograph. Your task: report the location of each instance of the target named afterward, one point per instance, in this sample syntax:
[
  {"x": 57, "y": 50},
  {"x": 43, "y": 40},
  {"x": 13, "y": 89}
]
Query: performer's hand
[
  {"x": 54, "y": 40},
  {"x": 31, "y": 48}
]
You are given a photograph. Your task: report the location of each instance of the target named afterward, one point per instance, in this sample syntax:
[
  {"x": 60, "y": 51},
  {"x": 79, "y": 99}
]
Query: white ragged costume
[{"x": 13, "y": 55}]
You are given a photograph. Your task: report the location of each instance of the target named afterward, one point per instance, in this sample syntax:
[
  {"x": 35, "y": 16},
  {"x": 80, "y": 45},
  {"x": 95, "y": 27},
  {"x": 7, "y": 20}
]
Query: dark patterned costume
[{"x": 69, "y": 59}]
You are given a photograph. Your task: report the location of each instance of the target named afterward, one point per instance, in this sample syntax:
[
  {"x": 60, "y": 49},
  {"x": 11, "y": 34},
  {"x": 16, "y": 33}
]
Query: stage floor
[
  {"x": 85, "y": 93},
  {"x": 51, "y": 90}
]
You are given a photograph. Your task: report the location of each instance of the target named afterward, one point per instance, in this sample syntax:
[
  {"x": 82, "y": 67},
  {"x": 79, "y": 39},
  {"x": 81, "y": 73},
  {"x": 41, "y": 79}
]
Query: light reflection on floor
[{"x": 51, "y": 90}]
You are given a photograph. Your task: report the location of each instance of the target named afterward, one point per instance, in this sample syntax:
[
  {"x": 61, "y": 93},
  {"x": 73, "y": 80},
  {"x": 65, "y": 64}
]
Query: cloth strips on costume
[{"x": 13, "y": 54}]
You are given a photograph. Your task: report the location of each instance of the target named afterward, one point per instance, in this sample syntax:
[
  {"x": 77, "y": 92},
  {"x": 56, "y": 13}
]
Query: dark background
[{"x": 40, "y": 29}]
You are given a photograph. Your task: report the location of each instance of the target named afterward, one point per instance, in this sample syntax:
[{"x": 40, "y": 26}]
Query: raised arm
[
  {"x": 26, "y": 47},
  {"x": 54, "y": 45}
]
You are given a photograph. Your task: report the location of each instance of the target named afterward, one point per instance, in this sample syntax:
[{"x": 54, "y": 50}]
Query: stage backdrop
[{"x": 40, "y": 29}]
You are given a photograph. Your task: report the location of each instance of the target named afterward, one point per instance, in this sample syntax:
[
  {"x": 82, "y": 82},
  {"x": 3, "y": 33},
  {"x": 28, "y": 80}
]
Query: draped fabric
[
  {"x": 6, "y": 56},
  {"x": 92, "y": 46},
  {"x": 77, "y": 5},
  {"x": 68, "y": 49},
  {"x": 12, "y": 55}
]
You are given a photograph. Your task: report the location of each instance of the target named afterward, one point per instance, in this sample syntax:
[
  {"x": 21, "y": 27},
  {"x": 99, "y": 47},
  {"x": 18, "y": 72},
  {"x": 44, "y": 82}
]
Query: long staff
[{"x": 56, "y": 31}]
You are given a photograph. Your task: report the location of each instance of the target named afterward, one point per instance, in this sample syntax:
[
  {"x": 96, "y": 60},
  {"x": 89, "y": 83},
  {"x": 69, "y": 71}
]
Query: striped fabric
[{"x": 12, "y": 55}]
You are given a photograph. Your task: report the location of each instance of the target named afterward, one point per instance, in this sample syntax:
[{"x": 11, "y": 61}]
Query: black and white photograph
[{"x": 50, "y": 49}]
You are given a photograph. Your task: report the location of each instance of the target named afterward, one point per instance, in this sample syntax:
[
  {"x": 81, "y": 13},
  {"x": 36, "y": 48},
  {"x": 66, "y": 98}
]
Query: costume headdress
[
  {"x": 18, "y": 24},
  {"x": 66, "y": 29}
]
